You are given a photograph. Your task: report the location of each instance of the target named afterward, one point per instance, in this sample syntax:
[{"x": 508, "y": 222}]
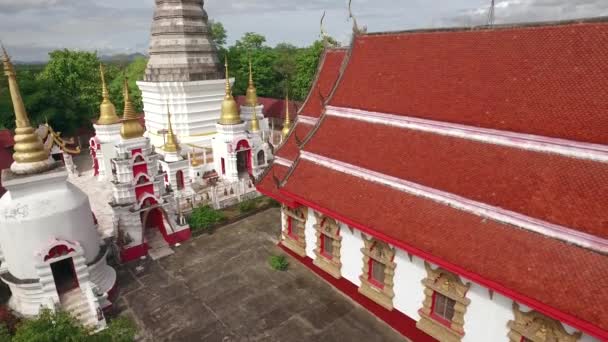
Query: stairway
[
  {"x": 75, "y": 303},
  {"x": 158, "y": 247}
]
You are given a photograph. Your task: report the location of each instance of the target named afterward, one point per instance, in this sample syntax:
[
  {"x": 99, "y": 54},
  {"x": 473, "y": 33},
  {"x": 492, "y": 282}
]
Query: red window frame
[
  {"x": 223, "y": 166},
  {"x": 370, "y": 275},
  {"x": 436, "y": 316},
  {"x": 324, "y": 252},
  {"x": 290, "y": 231}
]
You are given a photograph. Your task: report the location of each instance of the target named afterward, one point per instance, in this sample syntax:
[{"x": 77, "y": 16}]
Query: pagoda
[
  {"x": 51, "y": 253},
  {"x": 238, "y": 149},
  {"x": 145, "y": 211},
  {"x": 184, "y": 68},
  {"x": 252, "y": 105},
  {"x": 107, "y": 133}
]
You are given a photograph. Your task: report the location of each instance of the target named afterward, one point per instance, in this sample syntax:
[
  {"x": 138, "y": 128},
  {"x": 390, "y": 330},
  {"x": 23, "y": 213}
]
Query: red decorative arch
[{"x": 58, "y": 251}]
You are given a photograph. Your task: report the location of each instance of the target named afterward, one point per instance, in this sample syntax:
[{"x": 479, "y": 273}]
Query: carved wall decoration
[
  {"x": 446, "y": 286},
  {"x": 380, "y": 253},
  {"x": 536, "y": 327},
  {"x": 328, "y": 232},
  {"x": 294, "y": 229}
]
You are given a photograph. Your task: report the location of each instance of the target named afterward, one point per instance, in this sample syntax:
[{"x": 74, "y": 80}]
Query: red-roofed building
[{"x": 454, "y": 181}]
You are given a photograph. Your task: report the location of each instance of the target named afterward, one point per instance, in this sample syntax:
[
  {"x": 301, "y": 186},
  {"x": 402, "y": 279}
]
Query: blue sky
[{"x": 31, "y": 28}]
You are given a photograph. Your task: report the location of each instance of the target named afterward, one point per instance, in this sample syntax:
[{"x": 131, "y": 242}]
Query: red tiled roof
[
  {"x": 561, "y": 190},
  {"x": 547, "y": 80},
  {"x": 327, "y": 75},
  {"x": 6, "y": 138},
  {"x": 545, "y": 271},
  {"x": 290, "y": 149},
  {"x": 6, "y": 159},
  {"x": 267, "y": 184},
  {"x": 273, "y": 108}
]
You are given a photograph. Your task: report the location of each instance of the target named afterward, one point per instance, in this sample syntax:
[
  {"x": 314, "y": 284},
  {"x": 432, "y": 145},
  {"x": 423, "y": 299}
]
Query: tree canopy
[{"x": 67, "y": 90}]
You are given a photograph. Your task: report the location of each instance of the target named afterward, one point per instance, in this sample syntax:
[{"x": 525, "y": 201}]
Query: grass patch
[
  {"x": 278, "y": 262},
  {"x": 204, "y": 218},
  {"x": 247, "y": 206}
]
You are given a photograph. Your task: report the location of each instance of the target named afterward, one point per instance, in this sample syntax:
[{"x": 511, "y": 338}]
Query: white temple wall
[
  {"x": 108, "y": 152},
  {"x": 485, "y": 319},
  {"x": 350, "y": 254},
  {"x": 408, "y": 288},
  {"x": 310, "y": 234}
]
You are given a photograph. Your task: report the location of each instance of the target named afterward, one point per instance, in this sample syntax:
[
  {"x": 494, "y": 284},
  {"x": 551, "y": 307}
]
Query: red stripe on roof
[
  {"x": 6, "y": 138},
  {"x": 267, "y": 185},
  {"x": 561, "y": 280},
  {"x": 557, "y": 189},
  {"x": 549, "y": 80},
  {"x": 273, "y": 108},
  {"x": 327, "y": 76}
]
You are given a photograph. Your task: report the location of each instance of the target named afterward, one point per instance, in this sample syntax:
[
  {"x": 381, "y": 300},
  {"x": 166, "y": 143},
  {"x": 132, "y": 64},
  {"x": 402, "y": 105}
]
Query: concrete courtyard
[{"x": 219, "y": 287}]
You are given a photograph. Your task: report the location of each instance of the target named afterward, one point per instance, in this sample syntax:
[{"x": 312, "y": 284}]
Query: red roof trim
[{"x": 535, "y": 304}]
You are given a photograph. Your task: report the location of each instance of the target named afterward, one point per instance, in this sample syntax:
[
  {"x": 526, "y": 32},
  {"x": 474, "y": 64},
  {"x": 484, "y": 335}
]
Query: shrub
[
  {"x": 278, "y": 262},
  {"x": 61, "y": 326},
  {"x": 204, "y": 218},
  {"x": 247, "y": 206},
  {"x": 274, "y": 203}
]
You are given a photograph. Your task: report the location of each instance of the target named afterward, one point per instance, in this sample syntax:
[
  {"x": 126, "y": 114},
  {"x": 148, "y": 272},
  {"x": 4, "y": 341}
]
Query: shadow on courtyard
[{"x": 219, "y": 287}]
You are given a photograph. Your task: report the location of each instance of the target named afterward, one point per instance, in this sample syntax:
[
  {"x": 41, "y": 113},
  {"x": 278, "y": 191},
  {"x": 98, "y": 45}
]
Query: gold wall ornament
[
  {"x": 230, "y": 109},
  {"x": 537, "y": 327},
  {"x": 451, "y": 286},
  {"x": 376, "y": 250},
  {"x": 328, "y": 229},
  {"x": 251, "y": 97},
  {"x": 171, "y": 145},
  {"x": 287, "y": 122},
  {"x": 255, "y": 124},
  {"x": 28, "y": 145},
  {"x": 107, "y": 111},
  {"x": 131, "y": 127}
]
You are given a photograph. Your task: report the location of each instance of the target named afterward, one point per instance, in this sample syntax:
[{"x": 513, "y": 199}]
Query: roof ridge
[{"x": 499, "y": 27}]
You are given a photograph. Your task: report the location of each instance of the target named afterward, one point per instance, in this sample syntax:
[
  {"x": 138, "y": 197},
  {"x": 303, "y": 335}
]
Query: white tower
[
  {"x": 52, "y": 254},
  {"x": 237, "y": 150},
  {"x": 107, "y": 134},
  {"x": 184, "y": 69}
]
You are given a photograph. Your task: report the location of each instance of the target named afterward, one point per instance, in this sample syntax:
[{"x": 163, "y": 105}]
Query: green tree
[
  {"x": 307, "y": 62},
  {"x": 134, "y": 72},
  {"x": 218, "y": 33},
  {"x": 251, "y": 41},
  {"x": 74, "y": 78}
]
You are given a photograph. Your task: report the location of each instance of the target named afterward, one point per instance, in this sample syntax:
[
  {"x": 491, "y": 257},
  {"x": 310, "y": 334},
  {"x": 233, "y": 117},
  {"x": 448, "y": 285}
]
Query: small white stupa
[{"x": 50, "y": 251}]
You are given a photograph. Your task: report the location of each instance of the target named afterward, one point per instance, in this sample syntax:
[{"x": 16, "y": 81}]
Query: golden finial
[
  {"x": 324, "y": 35},
  {"x": 107, "y": 111},
  {"x": 255, "y": 124},
  {"x": 30, "y": 155},
  {"x": 131, "y": 127},
  {"x": 251, "y": 95},
  {"x": 356, "y": 28},
  {"x": 287, "y": 123},
  {"x": 193, "y": 158},
  {"x": 230, "y": 110},
  {"x": 171, "y": 144}
]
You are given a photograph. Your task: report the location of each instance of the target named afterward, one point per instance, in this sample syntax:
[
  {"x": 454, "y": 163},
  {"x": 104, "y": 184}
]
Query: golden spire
[
  {"x": 230, "y": 110},
  {"x": 252, "y": 95},
  {"x": 171, "y": 141},
  {"x": 29, "y": 148},
  {"x": 107, "y": 111},
  {"x": 131, "y": 127},
  {"x": 255, "y": 124},
  {"x": 287, "y": 122}
]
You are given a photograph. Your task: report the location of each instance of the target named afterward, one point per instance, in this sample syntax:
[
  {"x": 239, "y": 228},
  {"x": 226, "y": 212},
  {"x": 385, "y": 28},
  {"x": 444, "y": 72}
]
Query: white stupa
[{"x": 51, "y": 253}]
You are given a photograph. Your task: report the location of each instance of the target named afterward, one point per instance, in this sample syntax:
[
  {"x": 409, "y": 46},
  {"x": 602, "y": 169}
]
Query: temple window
[
  {"x": 328, "y": 246},
  {"x": 533, "y": 326},
  {"x": 139, "y": 159},
  {"x": 294, "y": 222},
  {"x": 378, "y": 272},
  {"x": 261, "y": 158},
  {"x": 444, "y": 306},
  {"x": 180, "y": 179}
]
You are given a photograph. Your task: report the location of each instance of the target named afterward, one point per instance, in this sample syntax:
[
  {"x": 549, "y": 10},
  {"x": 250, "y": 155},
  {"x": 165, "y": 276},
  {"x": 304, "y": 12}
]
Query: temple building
[
  {"x": 145, "y": 211},
  {"x": 51, "y": 253},
  {"x": 107, "y": 134},
  {"x": 453, "y": 181},
  {"x": 184, "y": 69}
]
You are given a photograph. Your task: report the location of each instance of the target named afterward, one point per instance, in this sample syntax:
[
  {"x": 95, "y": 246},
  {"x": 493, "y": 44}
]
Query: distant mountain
[{"x": 118, "y": 58}]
